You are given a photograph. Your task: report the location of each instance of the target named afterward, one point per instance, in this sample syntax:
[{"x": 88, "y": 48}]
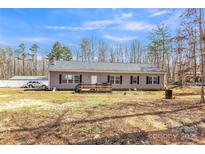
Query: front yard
[{"x": 132, "y": 117}]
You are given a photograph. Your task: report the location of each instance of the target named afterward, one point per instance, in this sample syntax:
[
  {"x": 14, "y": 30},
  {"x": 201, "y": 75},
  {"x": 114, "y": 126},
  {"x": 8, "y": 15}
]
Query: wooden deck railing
[{"x": 104, "y": 87}]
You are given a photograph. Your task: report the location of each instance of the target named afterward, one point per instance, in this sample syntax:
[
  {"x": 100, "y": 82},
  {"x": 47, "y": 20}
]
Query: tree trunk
[
  {"x": 36, "y": 65},
  {"x": 14, "y": 71},
  {"x": 23, "y": 65},
  {"x": 194, "y": 58},
  {"x": 43, "y": 72},
  {"x": 202, "y": 54}
]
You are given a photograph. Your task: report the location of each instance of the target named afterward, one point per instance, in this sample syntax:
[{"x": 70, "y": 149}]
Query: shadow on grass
[
  {"x": 135, "y": 115},
  {"x": 186, "y": 94},
  {"x": 185, "y": 134},
  {"x": 168, "y": 136},
  {"x": 36, "y": 89}
]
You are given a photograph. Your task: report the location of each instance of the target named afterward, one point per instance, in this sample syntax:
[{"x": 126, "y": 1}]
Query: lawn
[{"x": 131, "y": 117}]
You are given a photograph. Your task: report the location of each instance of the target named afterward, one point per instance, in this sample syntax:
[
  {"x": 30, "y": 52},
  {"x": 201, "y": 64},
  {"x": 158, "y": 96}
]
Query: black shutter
[
  {"x": 130, "y": 79},
  {"x": 108, "y": 79},
  {"x": 147, "y": 80},
  {"x": 121, "y": 79},
  {"x": 138, "y": 79},
  {"x": 80, "y": 78},
  {"x": 60, "y": 78},
  {"x": 158, "y": 79}
]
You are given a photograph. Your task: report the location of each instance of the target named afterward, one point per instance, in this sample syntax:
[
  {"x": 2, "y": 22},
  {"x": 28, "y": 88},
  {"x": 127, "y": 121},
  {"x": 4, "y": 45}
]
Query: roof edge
[{"x": 103, "y": 71}]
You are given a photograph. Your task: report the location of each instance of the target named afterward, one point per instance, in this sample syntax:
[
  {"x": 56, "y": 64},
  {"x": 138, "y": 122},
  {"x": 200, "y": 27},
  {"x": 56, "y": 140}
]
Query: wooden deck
[{"x": 94, "y": 88}]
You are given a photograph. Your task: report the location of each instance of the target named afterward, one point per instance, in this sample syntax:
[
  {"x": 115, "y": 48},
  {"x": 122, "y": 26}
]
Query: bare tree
[
  {"x": 102, "y": 48},
  {"x": 202, "y": 39},
  {"x": 34, "y": 49},
  {"x": 85, "y": 49},
  {"x": 23, "y": 56}
]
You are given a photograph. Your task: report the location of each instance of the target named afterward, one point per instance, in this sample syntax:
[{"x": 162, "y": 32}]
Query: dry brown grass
[{"x": 137, "y": 117}]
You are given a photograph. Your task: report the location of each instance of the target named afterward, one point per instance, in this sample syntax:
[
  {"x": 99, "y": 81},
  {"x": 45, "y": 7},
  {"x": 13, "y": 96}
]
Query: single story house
[{"x": 68, "y": 74}]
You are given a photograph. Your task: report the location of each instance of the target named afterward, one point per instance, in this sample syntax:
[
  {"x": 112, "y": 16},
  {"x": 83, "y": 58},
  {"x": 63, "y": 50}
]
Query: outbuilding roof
[
  {"x": 75, "y": 66},
  {"x": 29, "y": 78}
]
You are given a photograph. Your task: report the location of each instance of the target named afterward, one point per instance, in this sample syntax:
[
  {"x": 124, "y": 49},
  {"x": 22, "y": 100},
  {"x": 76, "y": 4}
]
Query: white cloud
[
  {"x": 174, "y": 20},
  {"x": 35, "y": 39},
  {"x": 92, "y": 25},
  {"x": 126, "y": 15},
  {"x": 7, "y": 43},
  {"x": 120, "y": 38},
  {"x": 101, "y": 23},
  {"x": 56, "y": 11},
  {"x": 136, "y": 26},
  {"x": 159, "y": 13},
  {"x": 71, "y": 28},
  {"x": 2, "y": 42}
]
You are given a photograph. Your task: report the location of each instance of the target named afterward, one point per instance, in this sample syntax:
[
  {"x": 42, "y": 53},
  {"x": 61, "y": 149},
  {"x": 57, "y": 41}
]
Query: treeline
[
  {"x": 21, "y": 61},
  {"x": 29, "y": 61},
  {"x": 92, "y": 50},
  {"x": 100, "y": 51},
  {"x": 181, "y": 54},
  {"x": 188, "y": 47}
]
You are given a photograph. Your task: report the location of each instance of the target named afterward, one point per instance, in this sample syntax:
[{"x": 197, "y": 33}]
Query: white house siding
[{"x": 103, "y": 77}]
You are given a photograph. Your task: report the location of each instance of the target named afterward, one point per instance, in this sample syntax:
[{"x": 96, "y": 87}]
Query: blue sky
[{"x": 69, "y": 26}]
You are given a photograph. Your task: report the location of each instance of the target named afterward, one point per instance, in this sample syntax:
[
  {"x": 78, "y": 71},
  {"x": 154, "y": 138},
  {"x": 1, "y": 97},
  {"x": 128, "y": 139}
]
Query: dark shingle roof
[{"x": 103, "y": 67}]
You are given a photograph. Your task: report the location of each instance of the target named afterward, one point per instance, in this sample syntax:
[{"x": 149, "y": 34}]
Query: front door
[{"x": 93, "y": 79}]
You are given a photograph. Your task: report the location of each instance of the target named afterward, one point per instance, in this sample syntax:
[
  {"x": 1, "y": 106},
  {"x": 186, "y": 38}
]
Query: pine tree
[
  {"x": 22, "y": 48},
  {"x": 59, "y": 52}
]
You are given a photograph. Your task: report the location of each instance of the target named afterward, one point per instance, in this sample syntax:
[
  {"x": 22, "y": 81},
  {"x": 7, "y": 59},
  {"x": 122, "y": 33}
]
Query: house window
[
  {"x": 135, "y": 79},
  {"x": 112, "y": 79},
  {"x": 152, "y": 80},
  {"x": 155, "y": 80},
  {"x": 76, "y": 78},
  {"x": 115, "y": 79},
  {"x": 149, "y": 80},
  {"x": 64, "y": 78},
  {"x": 70, "y": 78}
]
